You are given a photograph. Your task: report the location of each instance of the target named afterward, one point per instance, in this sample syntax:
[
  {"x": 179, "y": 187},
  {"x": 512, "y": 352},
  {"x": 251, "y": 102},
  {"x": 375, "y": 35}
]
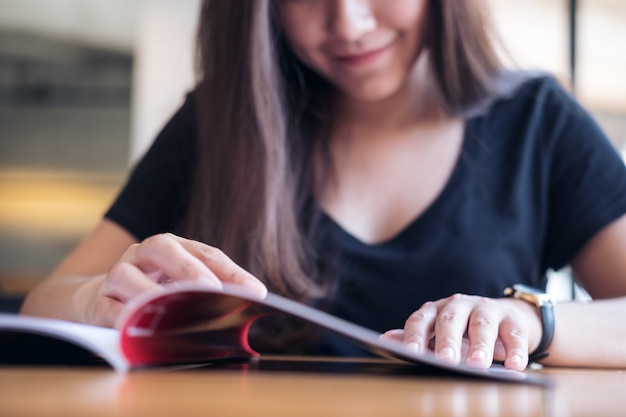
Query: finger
[
  {"x": 395, "y": 334},
  {"x": 418, "y": 328},
  {"x": 224, "y": 268},
  {"x": 482, "y": 331},
  {"x": 514, "y": 337},
  {"x": 123, "y": 283},
  {"x": 465, "y": 349},
  {"x": 106, "y": 312},
  {"x": 498, "y": 351},
  {"x": 164, "y": 254},
  {"x": 126, "y": 281},
  {"x": 450, "y": 327}
]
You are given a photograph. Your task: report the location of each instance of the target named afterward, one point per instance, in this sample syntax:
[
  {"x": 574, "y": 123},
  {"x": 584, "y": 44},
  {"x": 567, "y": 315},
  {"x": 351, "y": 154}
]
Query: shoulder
[
  {"x": 522, "y": 91},
  {"x": 184, "y": 119},
  {"x": 156, "y": 193},
  {"x": 177, "y": 137},
  {"x": 536, "y": 107}
]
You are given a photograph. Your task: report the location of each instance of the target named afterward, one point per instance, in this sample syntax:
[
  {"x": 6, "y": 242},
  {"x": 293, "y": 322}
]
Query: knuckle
[
  {"x": 418, "y": 316},
  {"x": 417, "y": 323},
  {"x": 457, "y": 297},
  {"x": 153, "y": 243},
  {"x": 484, "y": 302},
  {"x": 155, "y": 239},
  {"x": 210, "y": 253},
  {"x": 517, "y": 334},
  {"x": 187, "y": 269},
  {"x": 415, "y": 336},
  {"x": 447, "y": 317},
  {"x": 481, "y": 322},
  {"x": 236, "y": 278},
  {"x": 446, "y": 341}
]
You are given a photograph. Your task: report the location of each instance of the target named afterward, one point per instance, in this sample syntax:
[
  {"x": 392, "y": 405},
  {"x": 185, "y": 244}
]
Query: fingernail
[
  {"x": 447, "y": 353},
  {"x": 413, "y": 347},
  {"x": 479, "y": 355},
  {"x": 256, "y": 286},
  {"x": 516, "y": 360},
  {"x": 172, "y": 284}
]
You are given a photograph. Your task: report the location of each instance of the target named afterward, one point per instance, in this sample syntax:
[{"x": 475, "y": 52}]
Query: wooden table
[{"x": 301, "y": 388}]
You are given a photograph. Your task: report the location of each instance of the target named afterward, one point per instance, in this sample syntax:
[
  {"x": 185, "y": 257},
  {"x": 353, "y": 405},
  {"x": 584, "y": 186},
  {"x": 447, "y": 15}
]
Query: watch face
[{"x": 532, "y": 295}]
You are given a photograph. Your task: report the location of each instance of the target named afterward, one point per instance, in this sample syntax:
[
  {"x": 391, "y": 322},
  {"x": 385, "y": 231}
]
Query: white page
[{"x": 101, "y": 341}]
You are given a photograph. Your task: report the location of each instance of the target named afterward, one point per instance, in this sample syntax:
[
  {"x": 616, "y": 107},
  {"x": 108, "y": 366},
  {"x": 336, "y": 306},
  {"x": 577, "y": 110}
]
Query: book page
[
  {"x": 14, "y": 329},
  {"x": 193, "y": 323}
]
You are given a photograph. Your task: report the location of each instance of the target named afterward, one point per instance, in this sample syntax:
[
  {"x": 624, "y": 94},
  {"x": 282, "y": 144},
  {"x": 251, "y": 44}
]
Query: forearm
[
  {"x": 77, "y": 291},
  {"x": 70, "y": 292},
  {"x": 62, "y": 297},
  {"x": 589, "y": 334}
]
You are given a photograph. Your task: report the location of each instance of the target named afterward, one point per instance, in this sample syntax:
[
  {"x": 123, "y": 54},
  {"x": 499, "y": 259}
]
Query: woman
[{"x": 374, "y": 158}]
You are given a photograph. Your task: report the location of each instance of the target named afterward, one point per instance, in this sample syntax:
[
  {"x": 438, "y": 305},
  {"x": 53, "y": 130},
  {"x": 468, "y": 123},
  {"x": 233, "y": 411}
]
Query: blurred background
[{"x": 85, "y": 85}]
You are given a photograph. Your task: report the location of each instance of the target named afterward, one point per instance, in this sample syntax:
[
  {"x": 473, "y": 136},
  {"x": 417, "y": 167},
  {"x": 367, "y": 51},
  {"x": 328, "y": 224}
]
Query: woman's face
[{"x": 365, "y": 48}]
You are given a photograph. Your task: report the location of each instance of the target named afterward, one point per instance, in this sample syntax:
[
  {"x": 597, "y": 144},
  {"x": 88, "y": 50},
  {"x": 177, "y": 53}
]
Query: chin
[{"x": 372, "y": 92}]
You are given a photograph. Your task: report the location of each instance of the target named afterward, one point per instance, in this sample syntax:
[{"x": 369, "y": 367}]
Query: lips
[{"x": 362, "y": 58}]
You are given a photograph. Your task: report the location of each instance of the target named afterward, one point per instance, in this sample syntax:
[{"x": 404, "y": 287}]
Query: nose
[{"x": 351, "y": 19}]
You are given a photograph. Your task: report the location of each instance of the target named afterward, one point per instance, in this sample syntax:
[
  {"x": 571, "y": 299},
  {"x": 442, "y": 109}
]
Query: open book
[{"x": 196, "y": 325}]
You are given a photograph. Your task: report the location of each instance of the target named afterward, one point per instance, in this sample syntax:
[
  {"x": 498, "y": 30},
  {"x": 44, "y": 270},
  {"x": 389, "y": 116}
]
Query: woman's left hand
[{"x": 476, "y": 330}]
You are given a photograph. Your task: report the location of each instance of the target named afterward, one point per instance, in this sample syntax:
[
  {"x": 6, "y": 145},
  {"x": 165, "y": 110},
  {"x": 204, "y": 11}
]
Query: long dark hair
[{"x": 262, "y": 116}]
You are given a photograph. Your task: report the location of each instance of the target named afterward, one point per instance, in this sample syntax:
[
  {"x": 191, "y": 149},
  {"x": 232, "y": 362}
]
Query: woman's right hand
[
  {"x": 80, "y": 289},
  {"x": 160, "y": 261}
]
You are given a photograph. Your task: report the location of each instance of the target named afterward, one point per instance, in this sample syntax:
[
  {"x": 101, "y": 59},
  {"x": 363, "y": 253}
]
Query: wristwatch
[{"x": 545, "y": 304}]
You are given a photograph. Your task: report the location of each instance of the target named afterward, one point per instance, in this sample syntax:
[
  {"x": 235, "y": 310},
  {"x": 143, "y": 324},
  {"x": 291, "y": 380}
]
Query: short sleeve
[
  {"x": 154, "y": 198},
  {"x": 587, "y": 177}
]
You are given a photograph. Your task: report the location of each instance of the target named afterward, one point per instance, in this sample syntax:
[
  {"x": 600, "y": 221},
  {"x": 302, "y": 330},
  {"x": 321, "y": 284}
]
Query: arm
[
  {"x": 57, "y": 296},
  {"x": 586, "y": 333},
  {"x": 109, "y": 268},
  {"x": 593, "y": 334}
]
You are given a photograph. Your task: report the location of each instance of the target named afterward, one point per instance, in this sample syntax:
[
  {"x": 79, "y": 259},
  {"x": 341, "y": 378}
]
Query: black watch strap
[
  {"x": 546, "y": 309},
  {"x": 547, "y": 321}
]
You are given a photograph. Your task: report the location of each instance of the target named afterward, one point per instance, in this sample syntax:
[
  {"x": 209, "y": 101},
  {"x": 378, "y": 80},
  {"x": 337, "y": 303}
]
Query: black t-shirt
[{"x": 536, "y": 179}]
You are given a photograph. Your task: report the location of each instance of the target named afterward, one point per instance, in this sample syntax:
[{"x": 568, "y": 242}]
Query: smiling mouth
[{"x": 362, "y": 58}]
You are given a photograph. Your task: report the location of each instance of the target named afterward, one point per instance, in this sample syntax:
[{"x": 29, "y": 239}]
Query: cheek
[
  {"x": 301, "y": 46},
  {"x": 303, "y": 31},
  {"x": 407, "y": 16}
]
